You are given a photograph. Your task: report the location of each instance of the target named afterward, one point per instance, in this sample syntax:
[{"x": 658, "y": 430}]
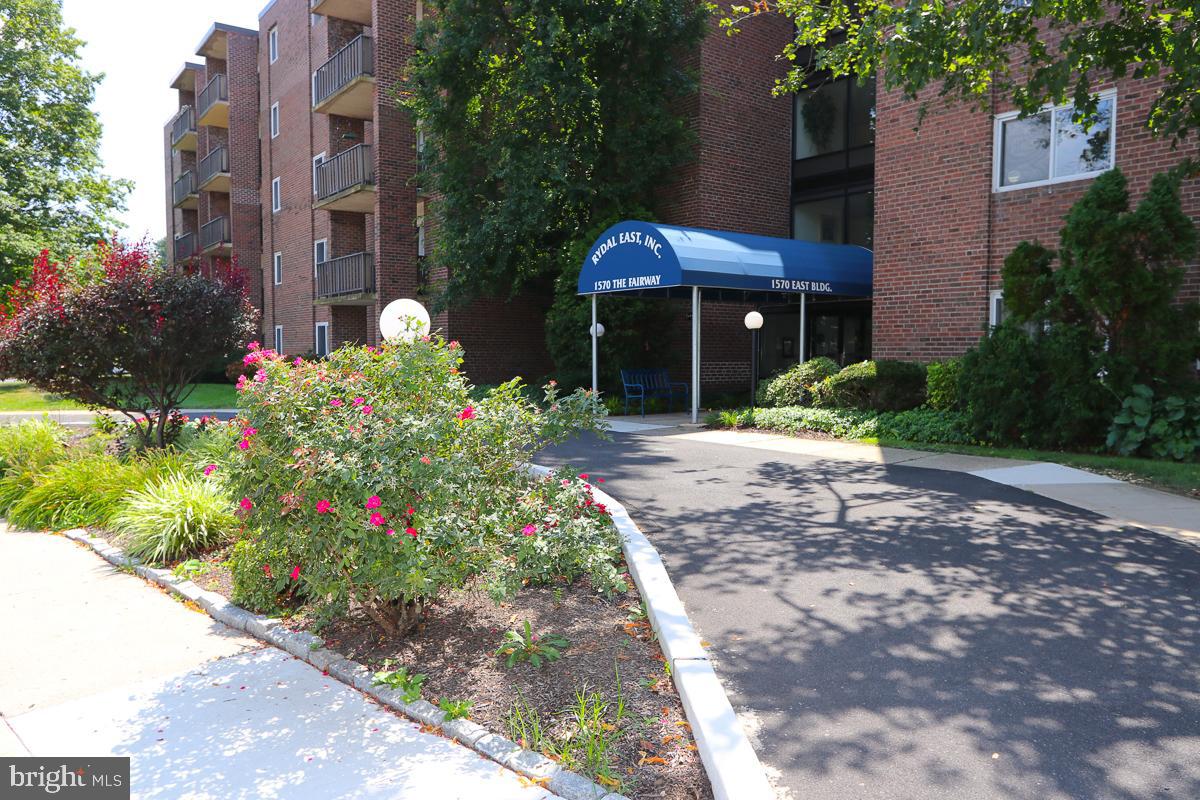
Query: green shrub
[
  {"x": 389, "y": 484},
  {"x": 1164, "y": 428},
  {"x": 941, "y": 384},
  {"x": 261, "y": 575},
  {"x": 877, "y": 385},
  {"x": 77, "y": 492},
  {"x": 792, "y": 387},
  {"x": 174, "y": 517},
  {"x": 26, "y": 450}
]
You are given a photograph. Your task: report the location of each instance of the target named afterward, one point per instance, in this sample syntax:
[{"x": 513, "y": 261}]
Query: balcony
[
  {"x": 354, "y": 10},
  {"x": 215, "y": 238},
  {"x": 349, "y": 281},
  {"x": 213, "y": 103},
  {"x": 183, "y": 129},
  {"x": 185, "y": 191},
  {"x": 214, "y": 171},
  {"x": 346, "y": 182},
  {"x": 345, "y": 84},
  {"x": 185, "y": 247}
]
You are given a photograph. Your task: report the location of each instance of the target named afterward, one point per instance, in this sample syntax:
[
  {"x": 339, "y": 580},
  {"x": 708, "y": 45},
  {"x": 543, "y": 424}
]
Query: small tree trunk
[{"x": 396, "y": 617}]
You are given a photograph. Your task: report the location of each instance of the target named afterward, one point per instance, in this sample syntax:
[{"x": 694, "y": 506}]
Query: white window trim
[
  {"x": 317, "y": 338},
  {"x": 274, "y": 123},
  {"x": 273, "y": 45},
  {"x": 279, "y": 339},
  {"x": 998, "y": 141},
  {"x": 993, "y": 296},
  {"x": 277, "y": 269},
  {"x": 325, "y": 244},
  {"x": 276, "y": 196},
  {"x": 318, "y": 159}
]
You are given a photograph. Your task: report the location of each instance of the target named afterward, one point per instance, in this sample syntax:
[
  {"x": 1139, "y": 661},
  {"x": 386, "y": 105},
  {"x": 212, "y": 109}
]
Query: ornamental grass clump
[
  {"x": 386, "y": 482},
  {"x": 175, "y": 517}
]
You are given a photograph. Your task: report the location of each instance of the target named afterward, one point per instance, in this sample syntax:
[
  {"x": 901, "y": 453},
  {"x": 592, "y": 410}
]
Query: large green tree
[
  {"x": 1032, "y": 52},
  {"x": 53, "y": 193},
  {"x": 542, "y": 119}
]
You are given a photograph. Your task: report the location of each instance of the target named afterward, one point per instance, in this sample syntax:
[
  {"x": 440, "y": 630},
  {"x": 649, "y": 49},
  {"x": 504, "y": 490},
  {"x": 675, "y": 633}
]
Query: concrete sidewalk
[
  {"x": 83, "y": 419},
  {"x": 97, "y": 662}
]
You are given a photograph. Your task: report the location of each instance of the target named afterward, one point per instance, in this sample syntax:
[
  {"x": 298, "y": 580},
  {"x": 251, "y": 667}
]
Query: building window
[
  {"x": 420, "y": 229},
  {"x": 1050, "y": 147},
  {"x": 277, "y": 269},
  {"x": 996, "y": 307},
  {"x": 834, "y": 117},
  {"x": 847, "y": 217},
  {"x": 320, "y": 253},
  {"x": 279, "y": 339},
  {"x": 276, "y": 196},
  {"x": 275, "y": 120},
  {"x": 318, "y": 160},
  {"x": 273, "y": 44},
  {"x": 321, "y": 339}
]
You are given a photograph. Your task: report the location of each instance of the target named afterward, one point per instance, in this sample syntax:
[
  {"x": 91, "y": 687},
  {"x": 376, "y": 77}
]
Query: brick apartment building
[{"x": 325, "y": 202}]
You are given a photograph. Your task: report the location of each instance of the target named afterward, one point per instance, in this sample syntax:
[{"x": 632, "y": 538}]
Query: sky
[{"x": 140, "y": 45}]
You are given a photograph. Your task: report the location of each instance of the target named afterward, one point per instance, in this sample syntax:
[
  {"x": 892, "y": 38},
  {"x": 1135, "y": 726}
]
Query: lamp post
[
  {"x": 595, "y": 332},
  {"x": 754, "y": 321}
]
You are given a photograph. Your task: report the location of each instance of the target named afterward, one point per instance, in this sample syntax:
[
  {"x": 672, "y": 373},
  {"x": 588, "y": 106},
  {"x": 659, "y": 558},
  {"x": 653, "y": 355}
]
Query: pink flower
[
  {"x": 583, "y": 476},
  {"x": 467, "y": 413},
  {"x": 378, "y": 519},
  {"x": 374, "y": 501},
  {"x": 246, "y": 504},
  {"x": 296, "y": 572},
  {"x": 210, "y": 469},
  {"x": 367, "y": 409},
  {"x": 249, "y": 432},
  {"x": 411, "y": 532},
  {"x": 241, "y": 382},
  {"x": 410, "y": 511},
  {"x": 599, "y": 480},
  {"x": 529, "y": 530},
  {"x": 323, "y": 506},
  {"x": 391, "y": 532},
  {"x": 267, "y": 570},
  {"x": 358, "y": 401},
  {"x": 298, "y": 361},
  {"x": 244, "y": 444},
  {"x": 336, "y": 403},
  {"x": 260, "y": 377},
  {"x": 253, "y": 346},
  {"x": 453, "y": 344},
  {"x": 425, "y": 460}
]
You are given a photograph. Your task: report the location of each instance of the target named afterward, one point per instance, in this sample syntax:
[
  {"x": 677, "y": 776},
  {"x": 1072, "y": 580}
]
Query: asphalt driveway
[{"x": 898, "y": 632}]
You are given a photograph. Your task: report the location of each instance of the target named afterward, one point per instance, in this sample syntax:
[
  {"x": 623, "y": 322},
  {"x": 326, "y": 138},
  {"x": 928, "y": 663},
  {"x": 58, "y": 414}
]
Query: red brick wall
[
  {"x": 242, "y": 203},
  {"x": 941, "y": 233}
]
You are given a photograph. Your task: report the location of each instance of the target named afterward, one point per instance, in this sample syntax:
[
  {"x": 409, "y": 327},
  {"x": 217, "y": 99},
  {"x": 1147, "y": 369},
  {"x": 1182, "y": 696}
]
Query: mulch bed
[{"x": 654, "y": 755}]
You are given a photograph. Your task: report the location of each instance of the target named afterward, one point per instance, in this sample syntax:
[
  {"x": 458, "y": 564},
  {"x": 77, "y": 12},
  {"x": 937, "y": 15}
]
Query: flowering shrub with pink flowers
[{"x": 385, "y": 484}]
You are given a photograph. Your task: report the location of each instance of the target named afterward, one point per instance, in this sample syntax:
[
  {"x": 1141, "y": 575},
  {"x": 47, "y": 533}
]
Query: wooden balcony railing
[
  {"x": 352, "y": 274},
  {"x": 185, "y": 185},
  {"x": 185, "y": 247},
  {"x": 355, "y": 167},
  {"x": 213, "y": 164},
  {"x": 215, "y": 233},
  {"x": 183, "y": 124},
  {"x": 352, "y": 61},
  {"x": 217, "y": 91}
]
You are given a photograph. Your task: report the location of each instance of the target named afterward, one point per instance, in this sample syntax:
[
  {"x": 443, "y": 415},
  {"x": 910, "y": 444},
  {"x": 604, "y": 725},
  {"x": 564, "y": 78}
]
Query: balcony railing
[
  {"x": 185, "y": 247},
  {"x": 355, "y": 167},
  {"x": 214, "y": 164},
  {"x": 215, "y": 233},
  {"x": 217, "y": 91},
  {"x": 355, "y": 60},
  {"x": 348, "y": 275},
  {"x": 185, "y": 187},
  {"x": 183, "y": 126}
]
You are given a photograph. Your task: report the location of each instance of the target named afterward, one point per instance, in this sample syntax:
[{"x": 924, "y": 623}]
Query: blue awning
[{"x": 635, "y": 256}]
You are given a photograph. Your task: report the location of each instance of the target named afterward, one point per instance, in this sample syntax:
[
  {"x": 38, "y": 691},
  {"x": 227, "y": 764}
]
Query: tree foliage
[
  {"x": 543, "y": 119},
  {"x": 1032, "y": 52},
  {"x": 52, "y": 191},
  {"x": 132, "y": 337}
]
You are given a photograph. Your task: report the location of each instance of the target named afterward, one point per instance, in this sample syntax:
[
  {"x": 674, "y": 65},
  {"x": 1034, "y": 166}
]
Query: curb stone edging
[
  {"x": 309, "y": 648},
  {"x": 733, "y": 767}
]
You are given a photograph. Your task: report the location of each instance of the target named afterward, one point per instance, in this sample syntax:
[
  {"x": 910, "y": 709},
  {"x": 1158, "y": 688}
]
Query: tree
[
  {"x": 131, "y": 337},
  {"x": 52, "y": 190},
  {"x": 1031, "y": 52},
  {"x": 544, "y": 118}
]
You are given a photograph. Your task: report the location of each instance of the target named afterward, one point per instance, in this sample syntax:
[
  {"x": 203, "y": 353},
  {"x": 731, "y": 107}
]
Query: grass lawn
[
  {"x": 1180, "y": 477},
  {"x": 23, "y": 397}
]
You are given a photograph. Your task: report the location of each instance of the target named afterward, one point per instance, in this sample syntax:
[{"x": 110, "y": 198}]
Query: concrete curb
[
  {"x": 309, "y": 648},
  {"x": 733, "y": 767}
]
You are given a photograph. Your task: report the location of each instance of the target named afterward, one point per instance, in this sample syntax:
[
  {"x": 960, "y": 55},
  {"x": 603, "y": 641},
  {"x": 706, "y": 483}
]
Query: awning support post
[
  {"x": 695, "y": 354},
  {"x": 595, "y": 351},
  {"x": 803, "y": 327}
]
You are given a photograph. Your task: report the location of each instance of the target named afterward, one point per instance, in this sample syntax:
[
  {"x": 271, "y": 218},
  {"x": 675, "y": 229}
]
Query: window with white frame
[
  {"x": 320, "y": 253},
  {"x": 276, "y": 196},
  {"x": 275, "y": 120},
  {"x": 273, "y": 44},
  {"x": 420, "y": 229},
  {"x": 1050, "y": 147},
  {"x": 321, "y": 339},
  {"x": 318, "y": 160},
  {"x": 277, "y": 268},
  {"x": 279, "y": 339},
  {"x": 995, "y": 307}
]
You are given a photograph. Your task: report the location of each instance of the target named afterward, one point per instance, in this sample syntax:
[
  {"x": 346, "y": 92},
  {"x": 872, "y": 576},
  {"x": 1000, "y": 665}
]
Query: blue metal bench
[{"x": 643, "y": 383}]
